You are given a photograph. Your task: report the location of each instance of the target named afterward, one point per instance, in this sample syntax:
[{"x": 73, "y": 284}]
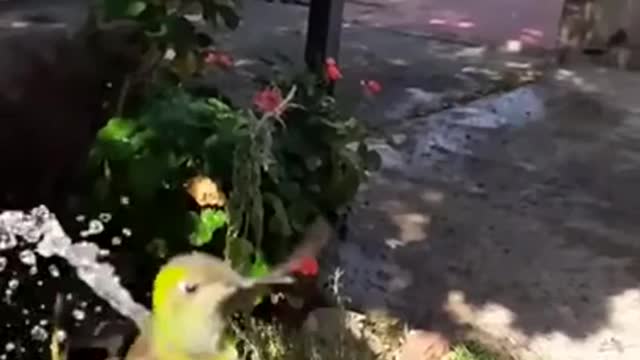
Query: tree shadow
[{"x": 532, "y": 235}]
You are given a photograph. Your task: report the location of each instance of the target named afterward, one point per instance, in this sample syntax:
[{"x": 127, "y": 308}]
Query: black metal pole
[{"x": 323, "y": 32}]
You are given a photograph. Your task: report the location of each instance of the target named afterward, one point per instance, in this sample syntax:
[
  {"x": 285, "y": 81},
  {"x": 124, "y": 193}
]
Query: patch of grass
[
  {"x": 472, "y": 351},
  {"x": 269, "y": 341}
]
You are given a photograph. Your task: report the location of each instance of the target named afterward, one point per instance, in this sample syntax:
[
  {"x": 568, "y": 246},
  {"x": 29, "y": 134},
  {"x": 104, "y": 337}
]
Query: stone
[
  {"x": 425, "y": 345},
  {"x": 56, "y": 86}
]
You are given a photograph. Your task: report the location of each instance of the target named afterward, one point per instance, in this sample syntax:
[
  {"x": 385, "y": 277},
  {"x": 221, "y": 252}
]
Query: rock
[
  {"x": 398, "y": 139},
  {"x": 55, "y": 83},
  {"x": 424, "y": 345}
]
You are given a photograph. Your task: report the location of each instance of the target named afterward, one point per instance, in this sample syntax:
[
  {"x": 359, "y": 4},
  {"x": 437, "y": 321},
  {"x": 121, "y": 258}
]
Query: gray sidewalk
[
  {"x": 417, "y": 72},
  {"x": 515, "y": 214}
]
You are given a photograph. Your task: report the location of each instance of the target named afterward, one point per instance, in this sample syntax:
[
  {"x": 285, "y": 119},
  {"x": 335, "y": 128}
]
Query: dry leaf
[{"x": 206, "y": 192}]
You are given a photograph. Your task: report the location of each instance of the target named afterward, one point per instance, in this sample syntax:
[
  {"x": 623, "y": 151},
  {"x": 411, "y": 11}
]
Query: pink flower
[
  {"x": 269, "y": 100},
  {"x": 332, "y": 71},
  {"x": 306, "y": 266},
  {"x": 371, "y": 87},
  {"x": 218, "y": 58}
]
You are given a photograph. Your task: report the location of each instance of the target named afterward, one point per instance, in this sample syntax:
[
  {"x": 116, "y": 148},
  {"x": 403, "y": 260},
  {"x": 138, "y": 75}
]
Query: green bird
[{"x": 193, "y": 295}]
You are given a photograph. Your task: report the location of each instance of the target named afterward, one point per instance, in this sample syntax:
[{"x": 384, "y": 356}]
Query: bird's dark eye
[{"x": 188, "y": 288}]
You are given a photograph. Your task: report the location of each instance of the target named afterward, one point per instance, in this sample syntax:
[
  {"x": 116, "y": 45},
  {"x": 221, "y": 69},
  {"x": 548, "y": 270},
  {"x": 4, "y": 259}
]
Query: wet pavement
[
  {"x": 412, "y": 70},
  {"x": 533, "y": 23},
  {"x": 516, "y": 215}
]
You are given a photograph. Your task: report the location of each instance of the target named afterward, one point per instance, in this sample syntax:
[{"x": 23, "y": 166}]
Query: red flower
[
  {"x": 306, "y": 266},
  {"x": 332, "y": 70},
  {"x": 269, "y": 100},
  {"x": 371, "y": 87},
  {"x": 218, "y": 58}
]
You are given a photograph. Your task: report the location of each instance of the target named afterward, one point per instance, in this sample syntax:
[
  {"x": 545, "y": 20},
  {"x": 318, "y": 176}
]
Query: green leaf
[
  {"x": 240, "y": 251},
  {"x": 280, "y": 221},
  {"x": 207, "y": 223},
  {"x": 136, "y": 8},
  {"x": 259, "y": 268},
  {"x": 141, "y": 139},
  {"x": 146, "y": 174},
  {"x": 257, "y": 217},
  {"x": 182, "y": 34},
  {"x": 229, "y": 17},
  {"x": 117, "y": 129},
  {"x": 101, "y": 189},
  {"x": 299, "y": 214},
  {"x": 345, "y": 178},
  {"x": 373, "y": 160},
  {"x": 114, "y": 8}
]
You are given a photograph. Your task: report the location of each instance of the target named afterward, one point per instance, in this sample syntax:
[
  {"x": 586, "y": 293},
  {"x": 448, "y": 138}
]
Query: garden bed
[{"x": 176, "y": 169}]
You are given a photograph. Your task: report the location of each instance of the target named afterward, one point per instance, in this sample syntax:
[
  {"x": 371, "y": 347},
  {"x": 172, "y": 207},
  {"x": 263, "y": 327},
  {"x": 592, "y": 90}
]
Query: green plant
[
  {"x": 178, "y": 34},
  {"x": 243, "y": 183},
  {"x": 280, "y": 169},
  {"x": 472, "y": 351}
]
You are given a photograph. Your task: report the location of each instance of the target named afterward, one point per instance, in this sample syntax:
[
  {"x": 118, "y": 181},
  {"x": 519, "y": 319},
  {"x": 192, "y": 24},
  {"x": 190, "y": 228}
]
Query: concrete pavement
[
  {"x": 516, "y": 215},
  {"x": 535, "y": 23}
]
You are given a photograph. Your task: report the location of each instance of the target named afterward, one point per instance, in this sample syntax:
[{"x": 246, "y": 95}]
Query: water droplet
[
  {"x": 10, "y": 346},
  {"x": 3, "y": 263},
  {"x": 53, "y": 270},
  {"x": 38, "y": 333},
  {"x": 69, "y": 296},
  {"x": 95, "y": 227},
  {"x": 28, "y": 257},
  {"x": 103, "y": 252},
  {"x": 7, "y": 240},
  {"x": 44, "y": 322},
  {"x": 25, "y": 311},
  {"x": 81, "y": 218},
  {"x": 124, "y": 200},
  {"x": 32, "y": 234},
  {"x": 83, "y": 304},
  {"x": 98, "y": 309},
  {"x": 61, "y": 335},
  {"x": 116, "y": 240},
  {"x": 33, "y": 270},
  {"x": 104, "y": 217},
  {"x": 39, "y": 282},
  {"x": 78, "y": 314},
  {"x": 13, "y": 284},
  {"x": 126, "y": 232}
]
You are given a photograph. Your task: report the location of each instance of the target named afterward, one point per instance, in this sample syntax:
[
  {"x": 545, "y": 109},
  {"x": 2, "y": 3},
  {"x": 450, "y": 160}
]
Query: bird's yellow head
[
  {"x": 187, "y": 298},
  {"x": 188, "y": 278}
]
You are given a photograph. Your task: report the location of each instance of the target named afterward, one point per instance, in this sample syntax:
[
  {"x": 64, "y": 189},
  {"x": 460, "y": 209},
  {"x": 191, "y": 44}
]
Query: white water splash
[{"x": 41, "y": 226}]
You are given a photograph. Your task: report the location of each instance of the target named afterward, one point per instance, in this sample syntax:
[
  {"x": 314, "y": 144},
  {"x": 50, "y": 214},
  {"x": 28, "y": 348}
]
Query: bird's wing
[
  {"x": 141, "y": 348},
  {"x": 314, "y": 240}
]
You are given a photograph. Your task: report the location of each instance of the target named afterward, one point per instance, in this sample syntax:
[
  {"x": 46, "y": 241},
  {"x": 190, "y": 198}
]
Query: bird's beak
[{"x": 267, "y": 280}]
